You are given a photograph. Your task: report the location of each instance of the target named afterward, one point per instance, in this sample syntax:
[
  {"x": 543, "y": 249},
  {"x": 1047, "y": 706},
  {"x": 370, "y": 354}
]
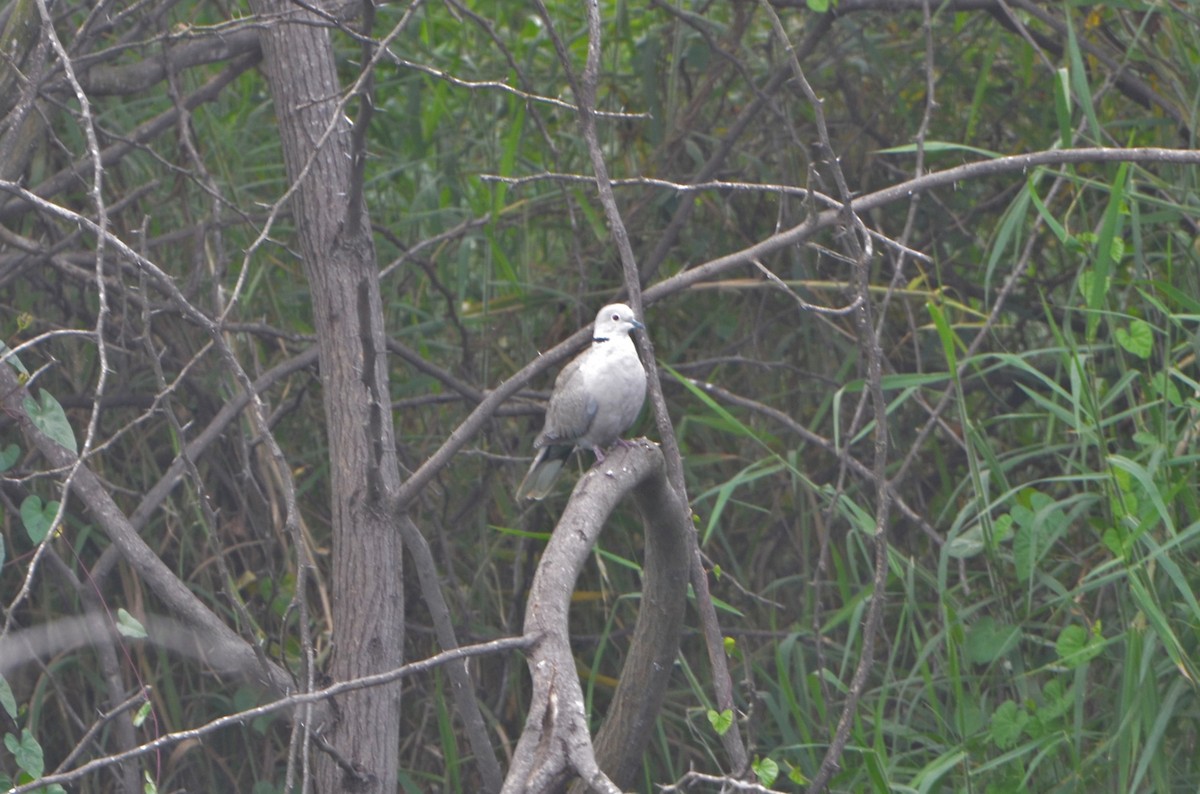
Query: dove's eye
[{"x": 616, "y": 317}]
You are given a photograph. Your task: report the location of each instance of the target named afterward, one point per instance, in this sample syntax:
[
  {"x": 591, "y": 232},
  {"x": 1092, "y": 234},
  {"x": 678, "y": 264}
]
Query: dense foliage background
[{"x": 1041, "y": 629}]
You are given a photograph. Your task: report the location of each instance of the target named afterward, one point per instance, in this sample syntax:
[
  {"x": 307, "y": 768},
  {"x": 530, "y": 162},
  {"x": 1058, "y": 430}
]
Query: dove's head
[{"x": 614, "y": 320}]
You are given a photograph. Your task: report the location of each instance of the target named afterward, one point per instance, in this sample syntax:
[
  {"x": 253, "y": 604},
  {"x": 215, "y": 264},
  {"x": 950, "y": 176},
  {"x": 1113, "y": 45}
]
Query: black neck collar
[{"x": 598, "y": 339}]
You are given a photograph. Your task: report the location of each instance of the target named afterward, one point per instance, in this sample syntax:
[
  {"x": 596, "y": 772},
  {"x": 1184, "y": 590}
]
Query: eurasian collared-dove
[{"x": 596, "y": 398}]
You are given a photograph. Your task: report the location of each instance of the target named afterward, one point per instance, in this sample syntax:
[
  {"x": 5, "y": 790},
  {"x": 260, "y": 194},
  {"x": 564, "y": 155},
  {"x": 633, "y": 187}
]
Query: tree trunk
[{"x": 339, "y": 260}]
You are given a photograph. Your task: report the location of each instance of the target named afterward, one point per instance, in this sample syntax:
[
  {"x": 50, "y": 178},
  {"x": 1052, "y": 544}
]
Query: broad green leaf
[
  {"x": 1001, "y": 530},
  {"x": 8, "y": 456},
  {"x": 1075, "y": 646},
  {"x": 1165, "y": 388},
  {"x": 765, "y": 769},
  {"x": 1117, "y": 541},
  {"x": 37, "y": 517},
  {"x": 1138, "y": 339},
  {"x": 987, "y": 640},
  {"x": 1056, "y": 701},
  {"x": 11, "y": 359},
  {"x": 1025, "y": 552},
  {"x": 1087, "y": 283},
  {"x": 26, "y": 752},
  {"x": 967, "y": 544},
  {"x": 129, "y": 626},
  {"x": 720, "y": 720},
  {"x": 142, "y": 713},
  {"x": 1145, "y": 478},
  {"x": 48, "y": 416},
  {"x": 1008, "y": 723},
  {"x": 7, "y": 701}
]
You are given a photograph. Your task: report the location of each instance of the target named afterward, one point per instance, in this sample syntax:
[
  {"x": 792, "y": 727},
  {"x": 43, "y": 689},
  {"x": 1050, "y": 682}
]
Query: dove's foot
[{"x": 620, "y": 442}]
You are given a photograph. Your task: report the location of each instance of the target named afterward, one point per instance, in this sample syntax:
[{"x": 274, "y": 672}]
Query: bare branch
[
  {"x": 555, "y": 742},
  {"x": 285, "y": 703}
]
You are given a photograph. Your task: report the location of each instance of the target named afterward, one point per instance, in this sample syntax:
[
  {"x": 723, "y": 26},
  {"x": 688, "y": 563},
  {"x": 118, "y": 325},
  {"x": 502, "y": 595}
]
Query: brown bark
[{"x": 339, "y": 260}]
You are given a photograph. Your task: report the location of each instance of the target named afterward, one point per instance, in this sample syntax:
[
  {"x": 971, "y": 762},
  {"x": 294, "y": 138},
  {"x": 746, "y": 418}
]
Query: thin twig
[{"x": 289, "y": 702}]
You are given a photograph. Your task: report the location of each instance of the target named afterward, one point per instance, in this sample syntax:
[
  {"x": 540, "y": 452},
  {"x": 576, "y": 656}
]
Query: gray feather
[{"x": 595, "y": 399}]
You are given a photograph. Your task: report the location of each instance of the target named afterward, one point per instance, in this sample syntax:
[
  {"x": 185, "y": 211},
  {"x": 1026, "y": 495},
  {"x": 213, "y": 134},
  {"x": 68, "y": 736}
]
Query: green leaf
[
  {"x": 766, "y": 770},
  {"x": 950, "y": 340},
  {"x": 1059, "y": 231},
  {"x": 1110, "y": 230},
  {"x": 1087, "y": 283},
  {"x": 1076, "y": 646},
  {"x": 1079, "y": 84},
  {"x": 1117, "y": 541},
  {"x": 11, "y": 359},
  {"x": 1001, "y": 530},
  {"x": 1008, "y": 723},
  {"x": 1025, "y": 552},
  {"x": 720, "y": 720},
  {"x": 129, "y": 626},
  {"x": 966, "y": 544},
  {"x": 1039, "y": 521},
  {"x": 8, "y": 456},
  {"x": 7, "y": 701},
  {"x": 142, "y": 713},
  {"x": 933, "y": 147},
  {"x": 26, "y": 752},
  {"x": 819, "y": 6},
  {"x": 48, "y": 416},
  {"x": 1166, "y": 389},
  {"x": 975, "y": 539},
  {"x": 1062, "y": 105},
  {"x": 987, "y": 640},
  {"x": 1056, "y": 701},
  {"x": 37, "y": 517},
  {"x": 1138, "y": 339}
]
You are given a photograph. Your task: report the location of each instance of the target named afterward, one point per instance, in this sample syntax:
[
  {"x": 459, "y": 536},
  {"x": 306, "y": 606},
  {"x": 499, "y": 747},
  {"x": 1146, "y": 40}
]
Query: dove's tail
[{"x": 544, "y": 471}]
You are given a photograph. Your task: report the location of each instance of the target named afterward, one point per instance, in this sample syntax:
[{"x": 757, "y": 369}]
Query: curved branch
[{"x": 555, "y": 743}]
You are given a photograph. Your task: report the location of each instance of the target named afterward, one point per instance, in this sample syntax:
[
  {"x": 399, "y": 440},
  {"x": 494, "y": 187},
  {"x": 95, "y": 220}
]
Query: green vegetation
[{"x": 1039, "y": 331}]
